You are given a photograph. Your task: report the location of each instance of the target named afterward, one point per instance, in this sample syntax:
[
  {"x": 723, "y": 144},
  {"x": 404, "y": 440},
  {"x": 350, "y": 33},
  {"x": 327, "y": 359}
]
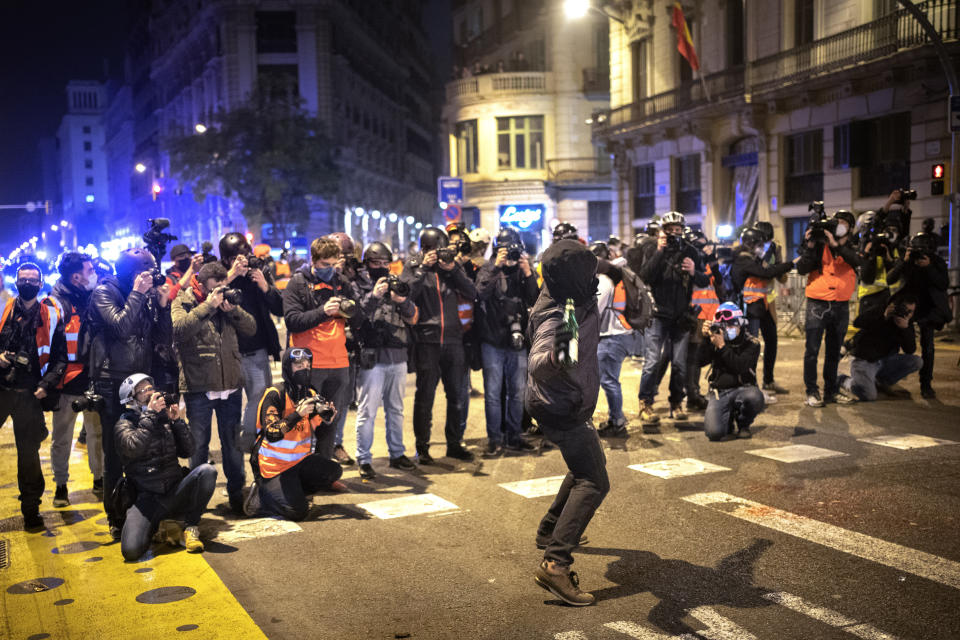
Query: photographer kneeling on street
[
  {"x": 283, "y": 459},
  {"x": 877, "y": 362},
  {"x": 732, "y": 353},
  {"x": 151, "y": 437},
  {"x": 206, "y": 320}
]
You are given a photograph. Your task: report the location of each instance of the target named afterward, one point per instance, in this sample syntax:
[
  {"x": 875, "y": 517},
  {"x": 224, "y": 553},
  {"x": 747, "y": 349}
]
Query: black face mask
[
  {"x": 376, "y": 274},
  {"x": 301, "y": 378},
  {"x": 27, "y": 290},
  {"x": 183, "y": 265}
]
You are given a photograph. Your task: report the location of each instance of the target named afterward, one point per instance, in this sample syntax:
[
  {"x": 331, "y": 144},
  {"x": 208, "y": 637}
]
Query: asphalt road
[{"x": 860, "y": 543}]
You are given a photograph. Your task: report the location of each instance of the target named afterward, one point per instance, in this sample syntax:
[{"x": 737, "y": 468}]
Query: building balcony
[
  {"x": 579, "y": 171},
  {"x": 497, "y": 86}
]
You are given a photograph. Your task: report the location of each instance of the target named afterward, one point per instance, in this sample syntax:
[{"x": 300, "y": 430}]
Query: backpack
[{"x": 640, "y": 303}]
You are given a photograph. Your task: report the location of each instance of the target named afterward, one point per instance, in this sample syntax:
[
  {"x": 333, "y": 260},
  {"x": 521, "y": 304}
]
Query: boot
[
  {"x": 649, "y": 417},
  {"x": 677, "y": 412}
]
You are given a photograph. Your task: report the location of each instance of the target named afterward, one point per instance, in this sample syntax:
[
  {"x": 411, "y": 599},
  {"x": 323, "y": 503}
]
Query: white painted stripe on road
[
  {"x": 677, "y": 468},
  {"x": 828, "y": 616},
  {"x": 909, "y": 441},
  {"x": 719, "y": 627},
  {"x": 570, "y": 635},
  {"x": 918, "y": 563},
  {"x": 536, "y": 488},
  {"x": 407, "y": 506},
  {"x": 796, "y": 453},
  {"x": 634, "y": 630}
]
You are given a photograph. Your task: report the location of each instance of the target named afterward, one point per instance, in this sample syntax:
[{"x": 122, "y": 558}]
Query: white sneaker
[
  {"x": 814, "y": 400},
  {"x": 770, "y": 398}
]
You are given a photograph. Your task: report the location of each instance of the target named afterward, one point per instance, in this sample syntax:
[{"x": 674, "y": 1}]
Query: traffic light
[
  {"x": 938, "y": 174},
  {"x": 156, "y": 191}
]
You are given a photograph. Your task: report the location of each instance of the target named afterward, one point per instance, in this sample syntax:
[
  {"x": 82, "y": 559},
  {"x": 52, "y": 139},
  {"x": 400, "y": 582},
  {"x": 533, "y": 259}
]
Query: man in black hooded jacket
[{"x": 562, "y": 399}]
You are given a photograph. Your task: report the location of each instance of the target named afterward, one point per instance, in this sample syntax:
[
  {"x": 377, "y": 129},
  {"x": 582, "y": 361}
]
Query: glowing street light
[
  {"x": 575, "y": 9},
  {"x": 139, "y": 167},
  {"x": 200, "y": 127}
]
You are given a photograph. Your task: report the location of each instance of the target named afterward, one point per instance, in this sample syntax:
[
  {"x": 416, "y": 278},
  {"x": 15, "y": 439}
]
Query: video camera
[
  {"x": 819, "y": 221},
  {"x": 157, "y": 239},
  {"x": 206, "y": 250}
]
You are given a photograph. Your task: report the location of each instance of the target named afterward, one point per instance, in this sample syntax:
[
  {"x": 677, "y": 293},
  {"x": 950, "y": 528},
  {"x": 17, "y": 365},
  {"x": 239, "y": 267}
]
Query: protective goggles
[
  {"x": 301, "y": 354},
  {"x": 726, "y": 315}
]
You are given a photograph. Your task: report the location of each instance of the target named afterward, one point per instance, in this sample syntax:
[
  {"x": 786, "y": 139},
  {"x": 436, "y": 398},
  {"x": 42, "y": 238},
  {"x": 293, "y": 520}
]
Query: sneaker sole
[{"x": 549, "y": 587}]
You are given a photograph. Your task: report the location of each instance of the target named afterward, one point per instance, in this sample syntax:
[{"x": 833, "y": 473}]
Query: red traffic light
[{"x": 938, "y": 171}]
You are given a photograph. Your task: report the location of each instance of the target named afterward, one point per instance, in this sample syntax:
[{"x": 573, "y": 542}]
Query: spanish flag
[{"x": 684, "y": 41}]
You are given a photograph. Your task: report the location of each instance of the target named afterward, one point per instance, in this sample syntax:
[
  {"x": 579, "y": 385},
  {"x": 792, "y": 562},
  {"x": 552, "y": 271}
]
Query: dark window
[
  {"x": 86, "y": 129},
  {"x": 644, "y": 192},
  {"x": 89, "y": 181},
  {"x": 803, "y": 176},
  {"x": 279, "y": 81},
  {"x": 88, "y": 164},
  {"x": 466, "y": 133},
  {"x": 520, "y": 142},
  {"x": 735, "y": 33},
  {"x": 881, "y": 147},
  {"x": 803, "y": 20},
  {"x": 87, "y": 145},
  {"x": 276, "y": 32},
  {"x": 598, "y": 220},
  {"x": 419, "y": 146},
  {"x": 638, "y": 57},
  {"x": 688, "y": 184},
  {"x": 796, "y": 227}
]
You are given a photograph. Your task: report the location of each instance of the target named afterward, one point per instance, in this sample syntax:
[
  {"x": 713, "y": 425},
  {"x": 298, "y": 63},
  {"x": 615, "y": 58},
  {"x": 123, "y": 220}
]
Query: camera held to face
[
  {"x": 446, "y": 255},
  {"x": 397, "y": 286},
  {"x": 514, "y": 251}
]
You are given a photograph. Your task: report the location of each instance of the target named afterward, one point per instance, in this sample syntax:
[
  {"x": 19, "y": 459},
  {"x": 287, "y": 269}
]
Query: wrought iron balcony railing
[{"x": 578, "y": 170}]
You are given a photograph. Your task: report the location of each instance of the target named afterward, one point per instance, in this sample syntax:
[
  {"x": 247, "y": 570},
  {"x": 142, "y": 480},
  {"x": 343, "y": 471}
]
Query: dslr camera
[
  {"x": 819, "y": 221},
  {"x": 907, "y": 194},
  {"x": 322, "y": 408},
  {"x": 233, "y": 296},
  {"x": 19, "y": 361},
  {"x": 514, "y": 251},
  {"x": 158, "y": 278},
  {"x": 901, "y": 310},
  {"x": 463, "y": 245},
  {"x": 446, "y": 255},
  {"x": 348, "y": 308},
  {"x": 516, "y": 333},
  {"x": 89, "y": 401},
  {"x": 397, "y": 286},
  {"x": 253, "y": 262}
]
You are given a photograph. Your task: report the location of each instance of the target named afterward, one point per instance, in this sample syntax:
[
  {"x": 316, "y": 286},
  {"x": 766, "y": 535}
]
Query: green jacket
[{"x": 206, "y": 342}]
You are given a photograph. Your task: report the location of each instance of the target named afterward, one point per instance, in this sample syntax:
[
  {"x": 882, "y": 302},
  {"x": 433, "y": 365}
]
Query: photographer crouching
[
  {"x": 877, "y": 362},
  {"x": 732, "y": 353},
  {"x": 829, "y": 261},
  {"x": 150, "y": 438}
]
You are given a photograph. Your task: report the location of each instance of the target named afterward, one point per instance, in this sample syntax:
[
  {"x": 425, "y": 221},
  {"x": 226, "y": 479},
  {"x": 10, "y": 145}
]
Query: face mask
[
  {"x": 325, "y": 273},
  {"x": 301, "y": 378},
  {"x": 376, "y": 274},
  {"x": 27, "y": 291},
  {"x": 842, "y": 229},
  {"x": 183, "y": 265},
  {"x": 91, "y": 282},
  {"x": 732, "y": 333}
]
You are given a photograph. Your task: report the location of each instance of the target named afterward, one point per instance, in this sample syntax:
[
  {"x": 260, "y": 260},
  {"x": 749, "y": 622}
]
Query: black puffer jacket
[
  {"x": 122, "y": 331},
  {"x": 735, "y": 365},
  {"x": 149, "y": 444}
]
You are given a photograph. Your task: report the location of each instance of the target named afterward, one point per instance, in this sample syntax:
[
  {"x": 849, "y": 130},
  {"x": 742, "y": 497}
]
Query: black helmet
[
  {"x": 695, "y": 237},
  {"x": 846, "y": 216},
  {"x": 377, "y": 251},
  {"x": 232, "y": 245},
  {"x": 600, "y": 249},
  {"x": 132, "y": 263},
  {"x": 507, "y": 236},
  {"x": 751, "y": 237},
  {"x": 565, "y": 231},
  {"x": 652, "y": 228},
  {"x": 766, "y": 229},
  {"x": 433, "y": 238},
  {"x": 926, "y": 242}
]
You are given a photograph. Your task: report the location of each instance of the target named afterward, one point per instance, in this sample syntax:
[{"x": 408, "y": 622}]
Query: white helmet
[
  {"x": 672, "y": 217},
  {"x": 128, "y": 386},
  {"x": 481, "y": 236}
]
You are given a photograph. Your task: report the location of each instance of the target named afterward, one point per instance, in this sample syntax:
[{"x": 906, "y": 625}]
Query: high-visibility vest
[
  {"x": 49, "y": 317},
  {"x": 276, "y": 457},
  {"x": 71, "y": 331},
  {"x": 879, "y": 283},
  {"x": 327, "y": 340},
  {"x": 755, "y": 289},
  {"x": 707, "y": 298},
  {"x": 834, "y": 281},
  {"x": 465, "y": 312},
  {"x": 620, "y": 304}
]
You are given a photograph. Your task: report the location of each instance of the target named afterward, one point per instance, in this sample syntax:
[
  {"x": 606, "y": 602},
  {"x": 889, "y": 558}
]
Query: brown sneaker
[
  {"x": 677, "y": 412},
  {"x": 342, "y": 456},
  {"x": 565, "y": 586},
  {"x": 647, "y": 413}
]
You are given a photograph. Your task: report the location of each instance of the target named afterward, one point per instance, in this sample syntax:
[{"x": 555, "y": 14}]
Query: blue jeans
[
  {"x": 200, "y": 411},
  {"x": 333, "y": 385},
  {"x": 611, "y": 353},
  {"x": 827, "y": 322},
  {"x": 343, "y": 406},
  {"x": 666, "y": 338},
  {"x": 865, "y": 376},
  {"x": 504, "y": 375},
  {"x": 748, "y": 400},
  {"x": 256, "y": 379},
  {"x": 384, "y": 383}
]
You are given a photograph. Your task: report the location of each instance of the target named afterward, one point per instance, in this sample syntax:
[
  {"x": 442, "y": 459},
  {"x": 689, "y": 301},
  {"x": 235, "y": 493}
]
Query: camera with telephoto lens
[
  {"x": 514, "y": 251},
  {"x": 19, "y": 362},
  {"x": 348, "y": 308},
  {"x": 516, "y": 333},
  {"x": 233, "y": 296},
  {"x": 397, "y": 286},
  {"x": 89, "y": 401},
  {"x": 446, "y": 255}
]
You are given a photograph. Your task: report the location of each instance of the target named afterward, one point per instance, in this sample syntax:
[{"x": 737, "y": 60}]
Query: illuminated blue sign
[{"x": 526, "y": 217}]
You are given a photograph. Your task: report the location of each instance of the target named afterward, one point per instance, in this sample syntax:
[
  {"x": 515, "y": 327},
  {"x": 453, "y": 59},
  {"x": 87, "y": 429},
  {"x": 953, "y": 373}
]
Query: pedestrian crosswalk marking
[
  {"x": 796, "y": 453},
  {"x": 677, "y": 468},
  {"x": 908, "y": 441},
  {"x": 718, "y": 628},
  {"x": 536, "y": 488},
  {"x": 638, "y": 632},
  {"x": 407, "y": 506},
  {"x": 827, "y": 616},
  {"x": 918, "y": 563},
  {"x": 570, "y": 635}
]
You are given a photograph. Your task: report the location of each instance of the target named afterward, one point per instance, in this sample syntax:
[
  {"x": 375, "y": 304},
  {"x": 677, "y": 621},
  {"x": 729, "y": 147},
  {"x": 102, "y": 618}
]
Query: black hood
[
  {"x": 570, "y": 271},
  {"x": 286, "y": 371}
]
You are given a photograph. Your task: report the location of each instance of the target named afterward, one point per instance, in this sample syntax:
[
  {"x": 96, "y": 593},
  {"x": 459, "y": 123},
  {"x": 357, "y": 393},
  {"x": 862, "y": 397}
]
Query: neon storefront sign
[{"x": 522, "y": 216}]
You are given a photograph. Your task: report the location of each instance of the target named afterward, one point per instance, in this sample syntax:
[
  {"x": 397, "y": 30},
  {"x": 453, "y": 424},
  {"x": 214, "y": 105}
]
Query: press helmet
[
  {"x": 377, "y": 251},
  {"x": 129, "y": 386},
  {"x": 565, "y": 231},
  {"x": 507, "y": 236},
  {"x": 131, "y": 263},
  {"x": 600, "y": 249},
  {"x": 728, "y": 313},
  {"x": 232, "y": 245},
  {"x": 766, "y": 229},
  {"x": 433, "y": 238},
  {"x": 672, "y": 217},
  {"x": 751, "y": 237}
]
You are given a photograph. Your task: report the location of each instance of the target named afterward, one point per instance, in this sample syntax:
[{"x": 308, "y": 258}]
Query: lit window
[{"x": 520, "y": 142}]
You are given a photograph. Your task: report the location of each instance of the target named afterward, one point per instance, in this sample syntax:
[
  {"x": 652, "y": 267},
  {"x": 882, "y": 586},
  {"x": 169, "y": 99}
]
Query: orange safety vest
[
  {"x": 834, "y": 281},
  {"x": 327, "y": 340},
  {"x": 283, "y": 270},
  {"x": 465, "y": 311},
  {"x": 756, "y": 289},
  {"x": 620, "y": 304},
  {"x": 276, "y": 457},
  {"x": 48, "y": 324},
  {"x": 707, "y": 298},
  {"x": 72, "y": 331}
]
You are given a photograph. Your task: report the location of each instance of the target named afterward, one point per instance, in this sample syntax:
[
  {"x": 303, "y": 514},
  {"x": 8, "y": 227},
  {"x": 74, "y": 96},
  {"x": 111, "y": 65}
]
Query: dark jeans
[
  {"x": 664, "y": 340},
  {"x": 200, "y": 411},
  {"x": 29, "y": 431},
  {"x": 333, "y": 385},
  {"x": 112, "y": 466},
  {"x": 926, "y": 352},
  {"x": 693, "y": 361},
  {"x": 865, "y": 376},
  {"x": 188, "y": 499},
  {"x": 748, "y": 402},
  {"x": 766, "y": 326},
  {"x": 825, "y": 322},
  {"x": 582, "y": 491},
  {"x": 435, "y": 363},
  {"x": 285, "y": 495}
]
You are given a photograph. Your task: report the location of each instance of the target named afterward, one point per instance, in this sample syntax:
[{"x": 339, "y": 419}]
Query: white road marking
[
  {"x": 918, "y": 563},
  {"x": 677, "y": 468},
  {"x": 407, "y": 506},
  {"x": 796, "y": 453},
  {"x": 909, "y": 441},
  {"x": 719, "y": 627},
  {"x": 634, "y": 630},
  {"x": 536, "y": 488},
  {"x": 241, "y": 530},
  {"x": 570, "y": 635},
  {"x": 827, "y": 616}
]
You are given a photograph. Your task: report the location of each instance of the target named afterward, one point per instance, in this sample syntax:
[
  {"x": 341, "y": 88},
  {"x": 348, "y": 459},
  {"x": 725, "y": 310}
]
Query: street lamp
[
  {"x": 200, "y": 127},
  {"x": 575, "y": 9},
  {"x": 139, "y": 167}
]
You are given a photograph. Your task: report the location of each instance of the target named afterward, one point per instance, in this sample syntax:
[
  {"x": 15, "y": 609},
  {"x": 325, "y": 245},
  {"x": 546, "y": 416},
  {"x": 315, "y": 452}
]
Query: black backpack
[{"x": 640, "y": 303}]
